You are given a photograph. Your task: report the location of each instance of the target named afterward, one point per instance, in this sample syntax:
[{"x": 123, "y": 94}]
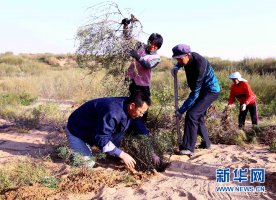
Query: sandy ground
[{"x": 186, "y": 178}]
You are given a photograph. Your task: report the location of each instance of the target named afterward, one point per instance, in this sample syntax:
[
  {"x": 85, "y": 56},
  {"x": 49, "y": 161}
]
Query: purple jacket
[{"x": 140, "y": 70}]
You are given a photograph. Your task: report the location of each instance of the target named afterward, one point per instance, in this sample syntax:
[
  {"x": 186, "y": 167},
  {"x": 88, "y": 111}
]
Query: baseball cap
[{"x": 180, "y": 50}]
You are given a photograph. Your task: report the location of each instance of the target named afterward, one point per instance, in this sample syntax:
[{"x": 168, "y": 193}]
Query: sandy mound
[{"x": 195, "y": 178}]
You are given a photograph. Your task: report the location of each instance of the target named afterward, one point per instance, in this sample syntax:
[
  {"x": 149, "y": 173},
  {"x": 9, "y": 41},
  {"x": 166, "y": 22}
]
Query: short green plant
[
  {"x": 272, "y": 147},
  {"x": 5, "y": 180},
  {"x": 26, "y": 99},
  {"x": 64, "y": 153},
  {"x": 77, "y": 160},
  {"x": 238, "y": 138},
  {"x": 50, "y": 182},
  {"x": 128, "y": 179}
]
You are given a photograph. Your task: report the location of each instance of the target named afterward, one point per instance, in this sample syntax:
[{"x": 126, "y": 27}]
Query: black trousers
[
  {"x": 195, "y": 121},
  {"x": 252, "y": 108},
  {"x": 134, "y": 88}
]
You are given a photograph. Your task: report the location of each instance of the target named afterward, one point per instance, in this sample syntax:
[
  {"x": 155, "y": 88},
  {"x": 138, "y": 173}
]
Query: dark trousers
[
  {"x": 195, "y": 121},
  {"x": 144, "y": 89},
  {"x": 134, "y": 88},
  {"x": 252, "y": 108}
]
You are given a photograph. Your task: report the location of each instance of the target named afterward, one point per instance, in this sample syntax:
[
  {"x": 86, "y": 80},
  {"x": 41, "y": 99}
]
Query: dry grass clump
[{"x": 51, "y": 61}]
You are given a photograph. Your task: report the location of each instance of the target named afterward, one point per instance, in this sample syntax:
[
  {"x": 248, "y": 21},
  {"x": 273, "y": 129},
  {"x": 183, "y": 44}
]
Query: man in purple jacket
[{"x": 103, "y": 122}]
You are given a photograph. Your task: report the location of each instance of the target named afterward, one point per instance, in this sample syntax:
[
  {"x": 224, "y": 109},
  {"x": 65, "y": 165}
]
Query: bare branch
[{"x": 105, "y": 40}]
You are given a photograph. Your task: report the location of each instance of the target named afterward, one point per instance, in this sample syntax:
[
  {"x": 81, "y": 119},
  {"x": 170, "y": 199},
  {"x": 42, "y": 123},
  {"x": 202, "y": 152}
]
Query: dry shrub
[
  {"x": 141, "y": 147},
  {"x": 104, "y": 41},
  {"x": 268, "y": 134},
  {"x": 222, "y": 129},
  {"x": 51, "y": 61}
]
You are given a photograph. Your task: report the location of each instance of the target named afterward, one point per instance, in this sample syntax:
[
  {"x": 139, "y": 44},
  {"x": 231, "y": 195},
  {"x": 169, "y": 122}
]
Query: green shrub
[
  {"x": 64, "y": 153},
  {"x": 5, "y": 180},
  {"x": 16, "y": 99},
  {"x": 50, "y": 182},
  {"x": 272, "y": 147}
]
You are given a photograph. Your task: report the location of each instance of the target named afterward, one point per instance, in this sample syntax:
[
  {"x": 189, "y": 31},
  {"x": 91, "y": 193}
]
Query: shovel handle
[{"x": 175, "y": 85}]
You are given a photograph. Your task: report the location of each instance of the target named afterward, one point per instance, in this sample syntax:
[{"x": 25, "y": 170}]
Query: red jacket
[{"x": 243, "y": 93}]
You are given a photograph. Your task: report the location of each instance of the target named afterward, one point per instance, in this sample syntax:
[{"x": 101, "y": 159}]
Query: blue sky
[{"x": 230, "y": 29}]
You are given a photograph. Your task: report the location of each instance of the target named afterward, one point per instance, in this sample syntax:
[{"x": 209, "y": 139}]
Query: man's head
[
  {"x": 181, "y": 53},
  {"x": 155, "y": 42},
  {"x": 138, "y": 104}
]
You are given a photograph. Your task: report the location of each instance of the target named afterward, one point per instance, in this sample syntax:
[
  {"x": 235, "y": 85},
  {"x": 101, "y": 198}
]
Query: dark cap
[{"x": 180, "y": 50}]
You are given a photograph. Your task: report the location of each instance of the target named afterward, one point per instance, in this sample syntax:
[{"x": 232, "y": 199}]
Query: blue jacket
[
  {"x": 103, "y": 122},
  {"x": 200, "y": 77}
]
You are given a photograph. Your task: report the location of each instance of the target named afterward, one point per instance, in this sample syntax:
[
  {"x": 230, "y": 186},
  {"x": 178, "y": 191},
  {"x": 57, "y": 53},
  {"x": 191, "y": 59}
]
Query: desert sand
[{"x": 185, "y": 178}]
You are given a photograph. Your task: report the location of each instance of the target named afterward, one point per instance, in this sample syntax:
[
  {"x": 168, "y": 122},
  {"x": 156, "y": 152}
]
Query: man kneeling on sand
[{"x": 103, "y": 122}]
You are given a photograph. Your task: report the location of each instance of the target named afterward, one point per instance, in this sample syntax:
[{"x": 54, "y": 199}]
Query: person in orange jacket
[{"x": 241, "y": 90}]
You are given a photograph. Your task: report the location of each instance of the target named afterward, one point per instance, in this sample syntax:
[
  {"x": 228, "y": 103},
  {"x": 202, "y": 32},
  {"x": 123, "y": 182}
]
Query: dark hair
[
  {"x": 139, "y": 98},
  {"x": 125, "y": 21},
  {"x": 156, "y": 39}
]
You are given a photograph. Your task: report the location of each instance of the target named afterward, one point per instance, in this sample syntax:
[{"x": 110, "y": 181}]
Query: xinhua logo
[{"x": 240, "y": 175}]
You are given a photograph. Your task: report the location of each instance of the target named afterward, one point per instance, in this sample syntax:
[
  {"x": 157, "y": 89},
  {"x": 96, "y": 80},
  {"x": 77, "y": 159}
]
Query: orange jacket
[{"x": 243, "y": 93}]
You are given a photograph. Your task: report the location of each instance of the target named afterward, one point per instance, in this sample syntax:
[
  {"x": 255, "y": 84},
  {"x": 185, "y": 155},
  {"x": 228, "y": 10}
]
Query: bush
[
  {"x": 50, "y": 182},
  {"x": 24, "y": 173},
  {"x": 16, "y": 99},
  {"x": 272, "y": 147},
  {"x": 51, "y": 61}
]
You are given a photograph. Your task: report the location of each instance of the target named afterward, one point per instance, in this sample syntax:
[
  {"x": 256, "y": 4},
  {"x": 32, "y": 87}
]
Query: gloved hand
[
  {"x": 133, "y": 53},
  {"x": 243, "y": 107},
  {"x": 155, "y": 159},
  {"x": 174, "y": 71},
  {"x": 178, "y": 115}
]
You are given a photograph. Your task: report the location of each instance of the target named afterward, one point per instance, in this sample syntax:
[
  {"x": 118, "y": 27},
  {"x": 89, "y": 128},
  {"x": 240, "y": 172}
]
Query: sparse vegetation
[
  {"x": 47, "y": 95},
  {"x": 26, "y": 172}
]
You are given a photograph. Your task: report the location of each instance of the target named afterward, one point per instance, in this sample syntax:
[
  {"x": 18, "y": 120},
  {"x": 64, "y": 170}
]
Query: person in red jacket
[{"x": 241, "y": 90}]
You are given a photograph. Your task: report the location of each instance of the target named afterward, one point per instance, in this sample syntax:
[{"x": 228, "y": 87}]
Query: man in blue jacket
[
  {"x": 204, "y": 88},
  {"x": 102, "y": 122}
]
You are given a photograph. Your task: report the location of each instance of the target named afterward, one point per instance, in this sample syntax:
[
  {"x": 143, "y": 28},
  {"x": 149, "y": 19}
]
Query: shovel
[{"x": 175, "y": 85}]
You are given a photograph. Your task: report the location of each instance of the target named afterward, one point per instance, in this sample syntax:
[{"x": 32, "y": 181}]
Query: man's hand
[
  {"x": 155, "y": 159},
  {"x": 128, "y": 160},
  {"x": 230, "y": 106},
  {"x": 174, "y": 71},
  {"x": 133, "y": 53},
  {"x": 178, "y": 115},
  {"x": 243, "y": 107}
]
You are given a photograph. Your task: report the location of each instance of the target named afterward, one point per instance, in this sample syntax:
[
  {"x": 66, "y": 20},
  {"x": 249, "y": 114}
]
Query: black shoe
[
  {"x": 203, "y": 146},
  {"x": 241, "y": 126}
]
